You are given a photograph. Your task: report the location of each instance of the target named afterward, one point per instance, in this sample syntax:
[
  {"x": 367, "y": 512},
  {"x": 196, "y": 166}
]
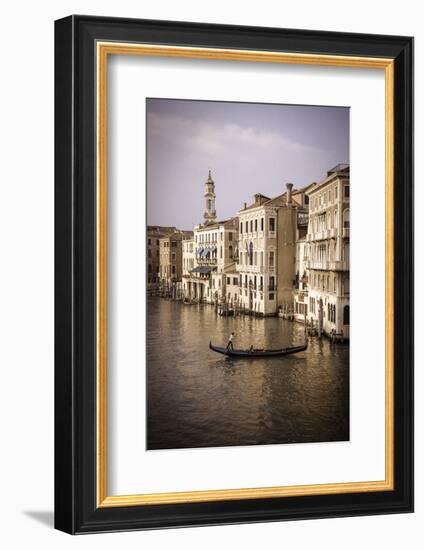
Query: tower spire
[{"x": 209, "y": 194}]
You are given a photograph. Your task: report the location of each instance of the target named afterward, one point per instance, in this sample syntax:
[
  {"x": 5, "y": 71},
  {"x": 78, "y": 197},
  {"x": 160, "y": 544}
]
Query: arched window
[
  {"x": 346, "y": 218},
  {"x": 346, "y": 315}
]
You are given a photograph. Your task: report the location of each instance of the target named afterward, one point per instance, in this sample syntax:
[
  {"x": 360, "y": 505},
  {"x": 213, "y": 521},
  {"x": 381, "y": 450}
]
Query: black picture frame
[{"x": 76, "y": 510}]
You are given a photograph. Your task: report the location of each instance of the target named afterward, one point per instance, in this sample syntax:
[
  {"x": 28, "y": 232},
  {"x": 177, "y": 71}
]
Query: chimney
[
  {"x": 289, "y": 193},
  {"x": 245, "y": 205}
]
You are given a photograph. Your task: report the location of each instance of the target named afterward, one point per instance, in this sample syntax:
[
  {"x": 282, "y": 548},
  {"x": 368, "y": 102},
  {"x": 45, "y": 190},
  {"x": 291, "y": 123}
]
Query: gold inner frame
[{"x": 104, "y": 49}]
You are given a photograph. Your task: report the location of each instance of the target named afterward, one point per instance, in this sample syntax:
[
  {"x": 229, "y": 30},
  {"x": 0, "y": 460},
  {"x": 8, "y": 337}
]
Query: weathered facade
[
  {"x": 154, "y": 234},
  {"x": 328, "y": 263},
  {"x": 171, "y": 262},
  {"x": 268, "y": 230},
  {"x": 215, "y": 252}
]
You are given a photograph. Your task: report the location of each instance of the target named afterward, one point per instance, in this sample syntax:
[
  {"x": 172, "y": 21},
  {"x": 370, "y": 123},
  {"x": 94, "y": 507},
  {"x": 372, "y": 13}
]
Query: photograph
[{"x": 247, "y": 274}]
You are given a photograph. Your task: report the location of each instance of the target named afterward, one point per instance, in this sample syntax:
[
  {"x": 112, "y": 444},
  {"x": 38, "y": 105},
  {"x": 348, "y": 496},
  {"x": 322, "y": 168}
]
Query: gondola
[{"x": 258, "y": 352}]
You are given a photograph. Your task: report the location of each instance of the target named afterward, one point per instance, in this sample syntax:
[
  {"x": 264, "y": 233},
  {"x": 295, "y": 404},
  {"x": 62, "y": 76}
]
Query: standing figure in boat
[{"x": 230, "y": 341}]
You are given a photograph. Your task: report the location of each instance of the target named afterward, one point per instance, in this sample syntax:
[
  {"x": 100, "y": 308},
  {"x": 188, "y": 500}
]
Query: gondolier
[{"x": 230, "y": 341}]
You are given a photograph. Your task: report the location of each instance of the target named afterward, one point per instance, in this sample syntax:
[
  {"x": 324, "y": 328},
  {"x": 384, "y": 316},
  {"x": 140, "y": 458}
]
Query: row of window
[
  {"x": 188, "y": 247},
  {"x": 331, "y": 312},
  {"x": 252, "y": 257},
  {"x": 204, "y": 238},
  {"x": 328, "y": 251},
  {"x": 149, "y": 242},
  {"x": 328, "y": 220},
  {"x": 271, "y": 296},
  {"x": 301, "y": 308},
  {"x": 251, "y": 226},
  {"x": 329, "y": 284},
  {"x": 206, "y": 255},
  {"x": 328, "y": 196},
  {"x": 257, "y": 282}
]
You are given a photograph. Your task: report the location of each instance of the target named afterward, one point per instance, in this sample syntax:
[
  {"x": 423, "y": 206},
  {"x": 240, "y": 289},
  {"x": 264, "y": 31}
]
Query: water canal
[{"x": 197, "y": 398}]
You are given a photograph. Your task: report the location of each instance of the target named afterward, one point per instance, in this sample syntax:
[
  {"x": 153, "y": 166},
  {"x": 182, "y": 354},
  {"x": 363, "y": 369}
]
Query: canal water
[{"x": 198, "y": 398}]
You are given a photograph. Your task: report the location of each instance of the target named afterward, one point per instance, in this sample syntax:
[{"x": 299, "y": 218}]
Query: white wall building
[
  {"x": 213, "y": 256},
  {"x": 267, "y": 236},
  {"x": 189, "y": 256},
  {"x": 328, "y": 264},
  {"x": 301, "y": 280}
]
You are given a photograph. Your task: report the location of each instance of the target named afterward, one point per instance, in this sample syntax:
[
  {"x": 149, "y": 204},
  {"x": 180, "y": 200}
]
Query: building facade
[
  {"x": 328, "y": 250},
  {"x": 189, "y": 256},
  {"x": 268, "y": 230},
  {"x": 154, "y": 234},
  {"x": 300, "y": 308},
  {"x": 171, "y": 262},
  {"x": 213, "y": 255}
]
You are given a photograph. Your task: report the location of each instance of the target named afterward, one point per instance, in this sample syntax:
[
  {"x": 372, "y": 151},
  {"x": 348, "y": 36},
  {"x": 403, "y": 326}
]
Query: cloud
[{"x": 200, "y": 137}]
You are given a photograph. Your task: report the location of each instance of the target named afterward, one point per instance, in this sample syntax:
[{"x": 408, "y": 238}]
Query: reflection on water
[{"x": 198, "y": 398}]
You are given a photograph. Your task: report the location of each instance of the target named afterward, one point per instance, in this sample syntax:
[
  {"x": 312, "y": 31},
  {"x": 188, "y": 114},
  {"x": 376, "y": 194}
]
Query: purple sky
[{"x": 249, "y": 148}]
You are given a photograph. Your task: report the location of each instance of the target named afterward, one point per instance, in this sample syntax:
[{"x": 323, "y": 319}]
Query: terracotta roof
[{"x": 279, "y": 200}]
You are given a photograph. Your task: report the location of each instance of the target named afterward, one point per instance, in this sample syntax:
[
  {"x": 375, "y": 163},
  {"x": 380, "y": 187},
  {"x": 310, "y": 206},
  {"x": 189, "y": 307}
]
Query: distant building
[
  {"x": 154, "y": 233},
  {"x": 328, "y": 263},
  {"x": 268, "y": 230},
  {"x": 171, "y": 262}
]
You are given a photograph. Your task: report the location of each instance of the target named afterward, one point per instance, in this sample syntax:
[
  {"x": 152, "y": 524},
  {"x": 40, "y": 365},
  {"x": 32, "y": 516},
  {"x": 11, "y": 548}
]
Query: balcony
[
  {"x": 323, "y": 234},
  {"x": 207, "y": 261},
  {"x": 338, "y": 266},
  {"x": 316, "y": 264},
  {"x": 248, "y": 268},
  {"x": 328, "y": 265}
]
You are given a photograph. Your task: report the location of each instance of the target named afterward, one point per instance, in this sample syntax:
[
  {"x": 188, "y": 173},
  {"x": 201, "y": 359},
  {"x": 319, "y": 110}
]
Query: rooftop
[
  {"x": 338, "y": 170},
  {"x": 279, "y": 200}
]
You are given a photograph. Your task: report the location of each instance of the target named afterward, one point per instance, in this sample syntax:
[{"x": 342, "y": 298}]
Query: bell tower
[{"x": 210, "y": 212}]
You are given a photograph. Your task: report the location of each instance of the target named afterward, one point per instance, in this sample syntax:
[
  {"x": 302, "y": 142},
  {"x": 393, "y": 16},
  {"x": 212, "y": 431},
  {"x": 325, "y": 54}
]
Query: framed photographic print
[{"x": 234, "y": 288}]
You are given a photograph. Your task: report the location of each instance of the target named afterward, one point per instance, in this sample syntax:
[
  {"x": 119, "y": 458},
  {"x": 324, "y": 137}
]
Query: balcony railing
[
  {"x": 326, "y": 265},
  {"x": 338, "y": 266},
  {"x": 248, "y": 268},
  {"x": 207, "y": 261}
]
